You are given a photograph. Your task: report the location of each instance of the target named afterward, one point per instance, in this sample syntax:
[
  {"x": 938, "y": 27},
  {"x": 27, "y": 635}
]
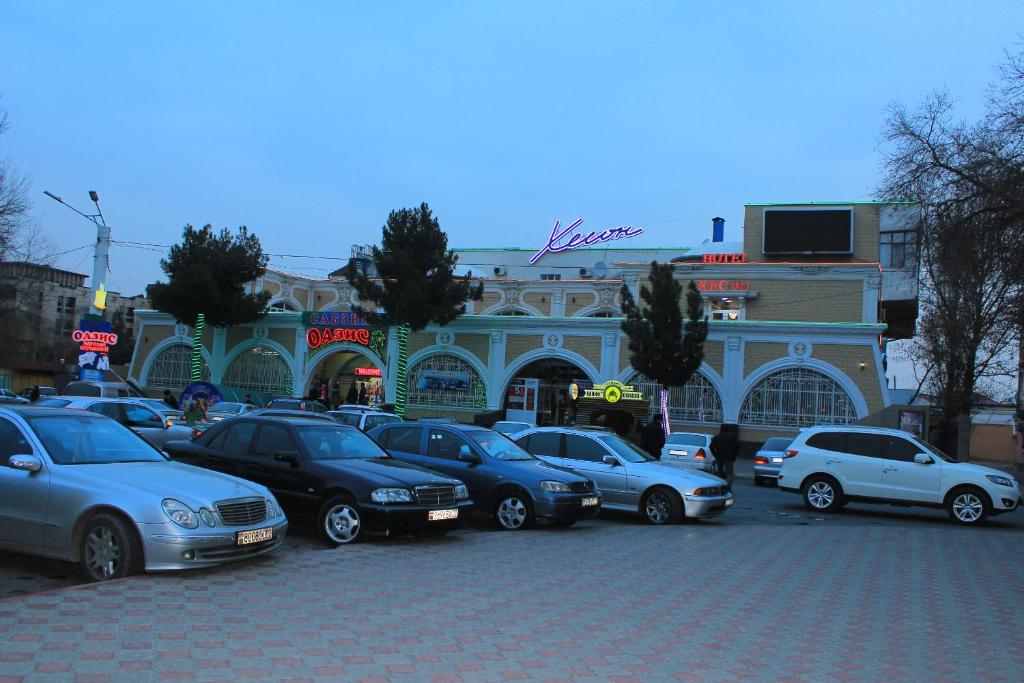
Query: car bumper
[
  {"x": 392, "y": 520},
  {"x": 1006, "y": 502},
  {"x": 705, "y": 465},
  {"x": 707, "y": 506},
  {"x": 168, "y": 547},
  {"x": 566, "y": 507},
  {"x": 767, "y": 471}
]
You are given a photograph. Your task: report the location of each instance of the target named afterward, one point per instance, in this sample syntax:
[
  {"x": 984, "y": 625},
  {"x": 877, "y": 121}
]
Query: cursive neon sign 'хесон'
[
  {"x": 555, "y": 244},
  {"x": 318, "y": 336}
]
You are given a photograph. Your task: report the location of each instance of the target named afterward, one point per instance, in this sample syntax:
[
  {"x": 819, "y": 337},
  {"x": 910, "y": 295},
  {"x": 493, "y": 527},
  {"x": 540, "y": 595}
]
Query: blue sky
[{"x": 309, "y": 121}]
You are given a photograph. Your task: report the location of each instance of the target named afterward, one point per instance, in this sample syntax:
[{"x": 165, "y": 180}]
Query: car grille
[
  {"x": 242, "y": 511},
  {"x": 435, "y": 495},
  {"x": 582, "y": 486},
  {"x": 714, "y": 490}
]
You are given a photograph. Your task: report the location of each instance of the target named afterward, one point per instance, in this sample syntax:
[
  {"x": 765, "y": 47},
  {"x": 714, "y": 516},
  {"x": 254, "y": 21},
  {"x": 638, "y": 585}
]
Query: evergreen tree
[
  {"x": 416, "y": 283},
  {"x": 658, "y": 346}
]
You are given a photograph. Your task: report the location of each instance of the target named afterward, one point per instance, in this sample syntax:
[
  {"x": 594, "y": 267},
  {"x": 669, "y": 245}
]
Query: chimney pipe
[{"x": 717, "y": 229}]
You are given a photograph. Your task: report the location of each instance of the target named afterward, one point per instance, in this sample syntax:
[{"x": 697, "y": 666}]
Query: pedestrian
[
  {"x": 652, "y": 438},
  {"x": 362, "y": 394},
  {"x": 248, "y": 400},
  {"x": 725, "y": 447},
  {"x": 352, "y": 396},
  {"x": 34, "y": 394},
  {"x": 170, "y": 400}
]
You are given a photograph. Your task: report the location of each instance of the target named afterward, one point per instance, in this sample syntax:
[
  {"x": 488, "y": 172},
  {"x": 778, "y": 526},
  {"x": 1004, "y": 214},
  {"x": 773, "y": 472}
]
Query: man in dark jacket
[
  {"x": 652, "y": 437},
  {"x": 170, "y": 400},
  {"x": 725, "y": 447}
]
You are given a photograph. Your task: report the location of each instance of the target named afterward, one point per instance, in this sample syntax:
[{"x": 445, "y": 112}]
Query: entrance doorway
[
  {"x": 549, "y": 379},
  {"x": 347, "y": 377}
]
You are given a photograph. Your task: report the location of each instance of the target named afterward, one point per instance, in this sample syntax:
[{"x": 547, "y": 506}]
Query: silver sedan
[
  {"x": 628, "y": 478},
  {"x": 133, "y": 413},
  {"x": 80, "y": 487}
]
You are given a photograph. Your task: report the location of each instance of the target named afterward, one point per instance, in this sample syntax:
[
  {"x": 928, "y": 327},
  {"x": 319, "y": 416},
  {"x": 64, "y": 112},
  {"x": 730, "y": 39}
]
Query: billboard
[{"x": 808, "y": 231}]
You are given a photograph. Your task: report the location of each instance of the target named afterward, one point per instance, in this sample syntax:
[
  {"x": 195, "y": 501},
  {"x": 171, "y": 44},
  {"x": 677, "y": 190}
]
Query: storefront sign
[
  {"x": 333, "y": 319},
  {"x": 725, "y": 258},
  {"x": 94, "y": 338},
  {"x": 613, "y": 391},
  {"x": 444, "y": 381},
  {"x": 565, "y": 239},
  {"x": 723, "y": 285},
  {"x": 367, "y": 372},
  {"x": 99, "y": 342},
  {"x": 318, "y": 336}
]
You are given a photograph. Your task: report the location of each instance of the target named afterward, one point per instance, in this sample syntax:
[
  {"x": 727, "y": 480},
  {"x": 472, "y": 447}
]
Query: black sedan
[{"x": 332, "y": 474}]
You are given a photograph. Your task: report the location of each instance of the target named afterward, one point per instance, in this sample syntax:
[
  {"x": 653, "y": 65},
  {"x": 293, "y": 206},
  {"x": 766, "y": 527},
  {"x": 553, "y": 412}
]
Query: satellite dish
[{"x": 600, "y": 269}]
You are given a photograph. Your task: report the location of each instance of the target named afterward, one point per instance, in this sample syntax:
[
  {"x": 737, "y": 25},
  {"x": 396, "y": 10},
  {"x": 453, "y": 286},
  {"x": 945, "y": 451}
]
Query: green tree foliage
[
  {"x": 417, "y": 284},
  {"x": 207, "y": 273},
  {"x": 121, "y": 353},
  {"x": 657, "y": 344}
]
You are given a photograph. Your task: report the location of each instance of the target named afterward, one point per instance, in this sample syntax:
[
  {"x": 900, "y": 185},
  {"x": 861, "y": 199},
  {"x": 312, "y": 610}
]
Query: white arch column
[
  {"x": 732, "y": 374},
  {"x": 496, "y": 370}
]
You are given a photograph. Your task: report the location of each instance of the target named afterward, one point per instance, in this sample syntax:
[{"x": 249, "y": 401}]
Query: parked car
[
  {"x": 26, "y": 393},
  {"x": 54, "y": 402},
  {"x": 284, "y": 412},
  {"x": 332, "y": 474},
  {"x": 509, "y": 428},
  {"x": 173, "y": 415},
  {"x": 148, "y": 423},
  {"x": 225, "y": 409},
  {"x": 689, "y": 448},
  {"x": 303, "y": 404},
  {"x": 365, "y": 420},
  {"x": 768, "y": 459},
  {"x": 831, "y": 466},
  {"x": 8, "y": 396},
  {"x": 629, "y": 479},
  {"x": 80, "y": 487},
  {"x": 97, "y": 389},
  {"x": 507, "y": 483}
]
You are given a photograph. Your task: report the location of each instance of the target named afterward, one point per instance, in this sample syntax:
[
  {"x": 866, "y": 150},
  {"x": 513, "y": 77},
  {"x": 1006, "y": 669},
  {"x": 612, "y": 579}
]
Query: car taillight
[
  {"x": 699, "y": 455},
  {"x": 760, "y": 460},
  {"x": 791, "y": 454}
]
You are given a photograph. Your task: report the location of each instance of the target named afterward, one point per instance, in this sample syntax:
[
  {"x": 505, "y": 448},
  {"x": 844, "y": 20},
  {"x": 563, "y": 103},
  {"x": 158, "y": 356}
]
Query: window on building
[
  {"x": 899, "y": 249},
  {"x": 281, "y": 306},
  {"x": 69, "y": 303},
  {"x": 797, "y": 397},
  {"x": 724, "y": 308},
  {"x": 172, "y": 368},
  {"x": 446, "y": 381},
  {"x": 512, "y": 311},
  {"x": 550, "y": 276},
  {"x": 60, "y": 301},
  {"x": 607, "y": 313},
  {"x": 260, "y": 369},
  {"x": 696, "y": 401}
]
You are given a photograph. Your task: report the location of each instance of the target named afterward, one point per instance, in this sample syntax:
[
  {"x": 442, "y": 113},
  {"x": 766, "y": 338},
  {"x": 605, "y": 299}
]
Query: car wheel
[
  {"x": 661, "y": 506},
  {"x": 968, "y": 506},
  {"x": 513, "y": 512},
  {"x": 340, "y": 523},
  {"x": 108, "y": 549},
  {"x": 822, "y": 494}
]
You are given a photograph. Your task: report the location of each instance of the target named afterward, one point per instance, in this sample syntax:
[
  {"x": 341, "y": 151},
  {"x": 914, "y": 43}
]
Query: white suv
[{"x": 831, "y": 466}]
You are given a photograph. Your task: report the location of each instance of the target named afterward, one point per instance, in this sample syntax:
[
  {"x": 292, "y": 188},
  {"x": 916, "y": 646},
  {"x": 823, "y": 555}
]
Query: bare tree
[{"x": 14, "y": 203}]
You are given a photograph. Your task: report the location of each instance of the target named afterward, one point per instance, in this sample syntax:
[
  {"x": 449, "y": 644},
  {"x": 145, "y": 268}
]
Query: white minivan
[{"x": 830, "y": 466}]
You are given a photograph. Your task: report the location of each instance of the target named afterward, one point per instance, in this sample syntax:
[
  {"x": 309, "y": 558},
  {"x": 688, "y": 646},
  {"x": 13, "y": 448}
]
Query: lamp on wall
[{"x": 863, "y": 366}]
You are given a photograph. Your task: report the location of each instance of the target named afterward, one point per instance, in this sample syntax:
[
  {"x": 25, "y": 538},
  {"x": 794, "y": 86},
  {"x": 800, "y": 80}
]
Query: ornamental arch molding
[
  {"x": 276, "y": 379},
  {"x": 701, "y": 400},
  {"x": 447, "y": 359},
  {"x": 798, "y": 394},
  {"x": 152, "y": 370},
  {"x": 513, "y": 369},
  {"x": 337, "y": 347}
]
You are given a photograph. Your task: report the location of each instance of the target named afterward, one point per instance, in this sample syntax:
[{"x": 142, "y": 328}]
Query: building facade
[{"x": 800, "y": 312}]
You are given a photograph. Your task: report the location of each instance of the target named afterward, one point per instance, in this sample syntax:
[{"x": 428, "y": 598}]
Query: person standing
[
  {"x": 34, "y": 394},
  {"x": 352, "y": 396},
  {"x": 725, "y": 447},
  {"x": 652, "y": 438},
  {"x": 170, "y": 400},
  {"x": 362, "y": 394}
]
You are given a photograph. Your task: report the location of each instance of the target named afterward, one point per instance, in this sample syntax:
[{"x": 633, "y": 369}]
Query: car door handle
[
  {"x": 833, "y": 462},
  {"x": 890, "y": 469}
]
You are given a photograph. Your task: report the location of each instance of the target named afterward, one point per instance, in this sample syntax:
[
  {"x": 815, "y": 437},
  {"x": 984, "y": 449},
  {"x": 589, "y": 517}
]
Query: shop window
[
  {"x": 172, "y": 368},
  {"x": 724, "y": 308},
  {"x": 797, "y": 397},
  {"x": 696, "y": 401},
  {"x": 899, "y": 249},
  {"x": 260, "y": 369},
  {"x": 446, "y": 381}
]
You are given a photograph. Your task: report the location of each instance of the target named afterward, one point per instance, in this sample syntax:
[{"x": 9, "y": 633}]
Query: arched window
[
  {"x": 511, "y": 311},
  {"x": 282, "y": 306},
  {"x": 172, "y": 368},
  {"x": 605, "y": 313},
  {"x": 797, "y": 397},
  {"x": 446, "y": 381},
  {"x": 260, "y": 369},
  {"x": 696, "y": 401}
]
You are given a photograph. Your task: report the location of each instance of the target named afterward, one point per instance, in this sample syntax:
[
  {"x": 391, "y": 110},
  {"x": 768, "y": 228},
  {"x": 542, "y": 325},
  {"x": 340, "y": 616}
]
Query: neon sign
[
  {"x": 333, "y": 319},
  {"x": 558, "y": 242},
  {"x": 723, "y": 285},
  {"x": 100, "y": 342},
  {"x": 367, "y": 372},
  {"x": 725, "y": 258},
  {"x": 318, "y": 336},
  {"x": 613, "y": 391}
]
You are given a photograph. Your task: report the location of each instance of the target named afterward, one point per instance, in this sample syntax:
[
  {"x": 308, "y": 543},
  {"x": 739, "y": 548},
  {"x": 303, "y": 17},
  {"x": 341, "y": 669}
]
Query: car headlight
[
  {"x": 1002, "y": 481},
  {"x": 273, "y": 509},
  {"x": 179, "y": 513},
  {"x": 391, "y": 496},
  {"x": 554, "y": 487},
  {"x": 461, "y": 492},
  {"x": 208, "y": 517}
]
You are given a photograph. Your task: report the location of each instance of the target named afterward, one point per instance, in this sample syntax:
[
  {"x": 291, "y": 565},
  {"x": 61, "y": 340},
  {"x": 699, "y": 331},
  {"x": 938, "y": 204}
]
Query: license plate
[
  {"x": 728, "y": 502},
  {"x": 254, "y": 536},
  {"x": 438, "y": 515},
  {"x": 588, "y": 502},
  {"x": 776, "y": 459}
]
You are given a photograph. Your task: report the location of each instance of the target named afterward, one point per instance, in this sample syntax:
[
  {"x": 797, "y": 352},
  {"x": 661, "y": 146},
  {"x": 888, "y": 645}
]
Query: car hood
[
  {"x": 387, "y": 472},
  {"x": 676, "y": 470},
  {"x": 971, "y": 468},
  {"x": 194, "y": 486},
  {"x": 537, "y": 470}
]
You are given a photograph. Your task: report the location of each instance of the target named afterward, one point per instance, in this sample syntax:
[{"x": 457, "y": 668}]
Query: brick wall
[
  {"x": 285, "y": 336},
  {"x": 713, "y": 354},
  {"x": 300, "y": 294},
  {"x": 518, "y": 344},
  {"x": 576, "y": 301},
  {"x": 153, "y": 335},
  {"x": 489, "y": 298},
  {"x": 865, "y": 233},
  {"x": 848, "y": 357},
  {"x": 624, "y": 354},
  {"x": 235, "y": 336},
  {"x": 588, "y": 347},
  {"x": 540, "y": 301},
  {"x": 756, "y": 354},
  {"x": 806, "y": 300},
  {"x": 272, "y": 288},
  {"x": 477, "y": 344},
  {"x": 465, "y": 415},
  {"x": 420, "y": 340}
]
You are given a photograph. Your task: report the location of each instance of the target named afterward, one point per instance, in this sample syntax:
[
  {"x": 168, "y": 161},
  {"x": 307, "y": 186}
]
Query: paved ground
[{"x": 768, "y": 592}]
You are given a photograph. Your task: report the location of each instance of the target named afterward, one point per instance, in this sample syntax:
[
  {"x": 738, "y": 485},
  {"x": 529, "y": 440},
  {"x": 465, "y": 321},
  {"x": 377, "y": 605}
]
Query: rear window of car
[
  {"x": 374, "y": 420},
  {"x": 776, "y": 444},
  {"x": 77, "y": 389},
  {"x": 52, "y": 402},
  {"x": 350, "y": 419},
  {"x": 687, "y": 439}
]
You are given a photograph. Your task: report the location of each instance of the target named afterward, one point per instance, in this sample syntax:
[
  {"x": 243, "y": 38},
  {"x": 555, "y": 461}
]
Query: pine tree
[{"x": 658, "y": 346}]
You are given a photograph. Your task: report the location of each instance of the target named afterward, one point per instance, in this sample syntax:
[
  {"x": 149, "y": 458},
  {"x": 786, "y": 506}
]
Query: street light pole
[{"x": 101, "y": 251}]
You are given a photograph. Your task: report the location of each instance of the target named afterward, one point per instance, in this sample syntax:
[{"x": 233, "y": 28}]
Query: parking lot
[{"x": 767, "y": 592}]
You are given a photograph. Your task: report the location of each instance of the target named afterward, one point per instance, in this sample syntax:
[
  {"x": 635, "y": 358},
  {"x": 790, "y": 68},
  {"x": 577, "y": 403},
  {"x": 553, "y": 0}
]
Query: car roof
[
  {"x": 29, "y": 410},
  {"x": 102, "y": 399},
  {"x": 867, "y": 429},
  {"x": 296, "y": 420},
  {"x": 580, "y": 431}
]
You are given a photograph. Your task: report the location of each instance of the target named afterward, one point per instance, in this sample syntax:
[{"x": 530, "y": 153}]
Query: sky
[{"x": 310, "y": 121}]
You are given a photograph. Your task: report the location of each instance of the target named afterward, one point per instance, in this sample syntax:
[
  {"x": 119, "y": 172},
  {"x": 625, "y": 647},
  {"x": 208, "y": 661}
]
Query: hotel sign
[
  {"x": 723, "y": 285},
  {"x": 724, "y": 258},
  {"x": 566, "y": 239}
]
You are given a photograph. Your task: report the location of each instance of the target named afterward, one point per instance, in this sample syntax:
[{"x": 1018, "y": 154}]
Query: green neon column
[
  {"x": 402, "y": 336},
  {"x": 197, "y": 348}
]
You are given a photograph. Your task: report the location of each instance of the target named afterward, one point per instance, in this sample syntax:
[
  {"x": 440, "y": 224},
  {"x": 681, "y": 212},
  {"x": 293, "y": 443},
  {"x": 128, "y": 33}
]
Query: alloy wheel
[
  {"x": 342, "y": 523},
  {"x": 658, "y": 508},
  {"x": 512, "y": 513},
  {"x": 821, "y": 494},
  {"x": 967, "y": 507},
  {"x": 102, "y": 553}
]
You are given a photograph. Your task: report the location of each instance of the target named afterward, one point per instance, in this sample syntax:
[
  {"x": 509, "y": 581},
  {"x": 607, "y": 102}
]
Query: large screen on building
[{"x": 808, "y": 231}]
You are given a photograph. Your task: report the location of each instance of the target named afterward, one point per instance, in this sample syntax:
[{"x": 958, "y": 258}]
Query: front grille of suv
[
  {"x": 242, "y": 511},
  {"x": 435, "y": 495}
]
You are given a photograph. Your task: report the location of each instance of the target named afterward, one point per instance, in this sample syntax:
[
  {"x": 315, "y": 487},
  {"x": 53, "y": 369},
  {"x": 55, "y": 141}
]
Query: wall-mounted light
[{"x": 863, "y": 366}]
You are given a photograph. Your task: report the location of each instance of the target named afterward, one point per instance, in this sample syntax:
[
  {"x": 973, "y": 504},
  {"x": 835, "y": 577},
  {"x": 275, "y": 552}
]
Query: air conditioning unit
[
  {"x": 586, "y": 272},
  {"x": 500, "y": 271}
]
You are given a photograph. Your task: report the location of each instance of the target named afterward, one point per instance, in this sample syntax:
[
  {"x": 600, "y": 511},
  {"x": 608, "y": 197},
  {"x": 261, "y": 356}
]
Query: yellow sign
[
  {"x": 613, "y": 391},
  {"x": 100, "y": 302},
  {"x": 574, "y": 391}
]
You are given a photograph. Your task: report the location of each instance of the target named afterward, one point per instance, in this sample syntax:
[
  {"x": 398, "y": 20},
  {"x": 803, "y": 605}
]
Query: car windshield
[
  {"x": 776, "y": 444},
  {"x": 156, "y": 404},
  {"x": 625, "y": 449},
  {"x": 686, "y": 439},
  {"x": 222, "y": 407},
  {"x": 75, "y": 440},
  {"x": 499, "y": 446},
  {"x": 327, "y": 442}
]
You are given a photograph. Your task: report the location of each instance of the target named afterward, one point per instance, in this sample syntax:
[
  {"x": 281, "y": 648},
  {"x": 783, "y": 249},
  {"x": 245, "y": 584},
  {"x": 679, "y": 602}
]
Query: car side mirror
[
  {"x": 923, "y": 459},
  {"x": 290, "y": 457},
  {"x": 611, "y": 460},
  {"x": 28, "y": 463},
  {"x": 470, "y": 457}
]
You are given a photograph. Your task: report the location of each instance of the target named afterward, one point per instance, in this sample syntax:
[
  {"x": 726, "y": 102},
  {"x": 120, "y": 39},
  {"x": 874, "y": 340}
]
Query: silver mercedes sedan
[{"x": 81, "y": 487}]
